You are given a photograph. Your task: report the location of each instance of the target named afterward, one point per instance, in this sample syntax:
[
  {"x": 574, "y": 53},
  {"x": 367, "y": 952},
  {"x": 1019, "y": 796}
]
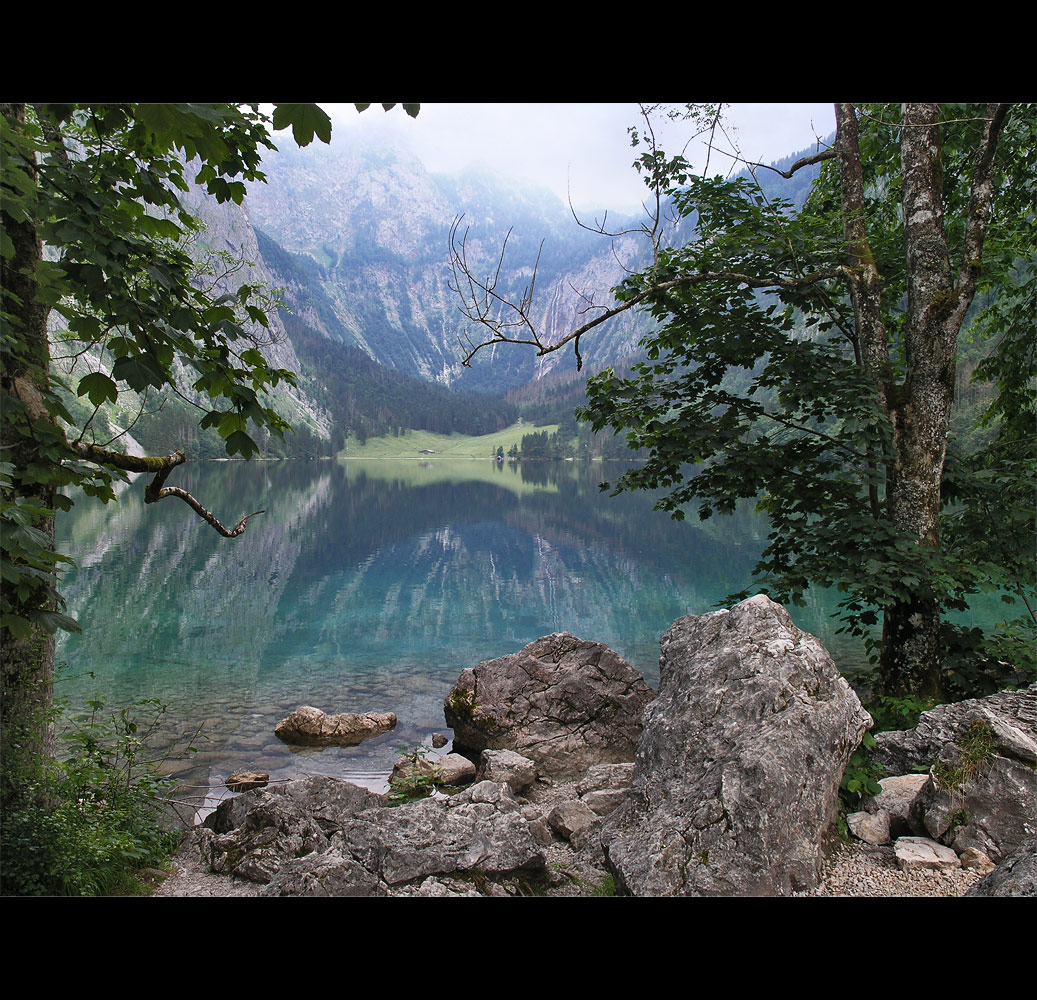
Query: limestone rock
[
  {"x": 1015, "y": 876},
  {"x": 872, "y": 828},
  {"x": 308, "y": 726},
  {"x": 516, "y": 771},
  {"x": 606, "y": 777},
  {"x": 256, "y": 834},
  {"x": 737, "y": 773},
  {"x": 565, "y": 703},
  {"x": 407, "y": 768},
  {"x": 570, "y": 817},
  {"x": 450, "y": 769},
  {"x": 605, "y": 800},
  {"x": 896, "y": 799},
  {"x": 320, "y": 836},
  {"x": 983, "y": 791},
  {"x": 439, "y": 740},
  {"x": 994, "y": 811},
  {"x": 1010, "y": 715},
  {"x": 538, "y": 825},
  {"x": 606, "y": 787},
  {"x": 971, "y": 858},
  {"x": 453, "y": 769},
  {"x": 914, "y": 853},
  {"x": 481, "y": 828},
  {"x": 325, "y": 874}
]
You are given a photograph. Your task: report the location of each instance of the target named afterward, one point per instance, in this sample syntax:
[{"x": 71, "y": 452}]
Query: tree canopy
[
  {"x": 806, "y": 359},
  {"x": 96, "y": 260}
]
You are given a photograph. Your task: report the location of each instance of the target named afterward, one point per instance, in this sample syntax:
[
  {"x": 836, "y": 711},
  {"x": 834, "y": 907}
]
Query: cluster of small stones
[{"x": 861, "y": 870}]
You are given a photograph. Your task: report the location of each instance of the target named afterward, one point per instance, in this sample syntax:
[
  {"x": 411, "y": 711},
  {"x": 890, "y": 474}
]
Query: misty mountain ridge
[{"x": 355, "y": 237}]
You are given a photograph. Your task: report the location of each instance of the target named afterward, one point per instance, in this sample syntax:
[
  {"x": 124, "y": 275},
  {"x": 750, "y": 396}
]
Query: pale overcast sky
[{"x": 581, "y": 147}]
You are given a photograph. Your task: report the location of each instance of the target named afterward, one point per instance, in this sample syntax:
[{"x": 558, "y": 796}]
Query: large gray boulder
[
  {"x": 565, "y": 703},
  {"x": 737, "y": 773},
  {"x": 256, "y": 834},
  {"x": 982, "y": 790},
  {"x": 320, "y": 836}
]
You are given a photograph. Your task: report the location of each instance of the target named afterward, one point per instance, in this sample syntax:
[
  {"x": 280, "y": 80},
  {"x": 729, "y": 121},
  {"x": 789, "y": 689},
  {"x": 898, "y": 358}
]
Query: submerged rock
[
  {"x": 242, "y": 781},
  {"x": 737, "y": 773}
]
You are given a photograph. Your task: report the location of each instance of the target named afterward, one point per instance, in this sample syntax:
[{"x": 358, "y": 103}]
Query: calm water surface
[{"x": 369, "y": 586}]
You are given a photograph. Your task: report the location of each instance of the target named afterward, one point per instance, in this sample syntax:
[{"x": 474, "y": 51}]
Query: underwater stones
[{"x": 242, "y": 781}]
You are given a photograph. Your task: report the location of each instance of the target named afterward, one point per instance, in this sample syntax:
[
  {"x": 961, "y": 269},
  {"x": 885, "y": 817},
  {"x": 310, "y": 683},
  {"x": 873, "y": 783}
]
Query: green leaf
[
  {"x": 99, "y": 387},
  {"x": 305, "y": 120},
  {"x": 139, "y": 372},
  {"x": 239, "y": 441},
  {"x": 53, "y": 620}
]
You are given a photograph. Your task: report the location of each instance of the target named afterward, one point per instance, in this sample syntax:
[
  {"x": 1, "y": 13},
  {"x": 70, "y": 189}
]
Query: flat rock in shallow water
[{"x": 309, "y": 726}]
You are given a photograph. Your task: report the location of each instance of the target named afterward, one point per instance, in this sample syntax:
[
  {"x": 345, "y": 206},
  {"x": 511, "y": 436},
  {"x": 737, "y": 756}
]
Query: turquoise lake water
[{"x": 369, "y": 586}]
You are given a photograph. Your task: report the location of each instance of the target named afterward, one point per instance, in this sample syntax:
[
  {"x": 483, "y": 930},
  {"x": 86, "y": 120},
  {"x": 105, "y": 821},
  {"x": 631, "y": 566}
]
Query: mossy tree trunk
[{"x": 27, "y": 663}]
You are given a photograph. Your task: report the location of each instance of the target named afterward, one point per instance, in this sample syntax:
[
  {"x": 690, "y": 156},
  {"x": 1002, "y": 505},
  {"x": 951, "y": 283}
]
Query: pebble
[{"x": 858, "y": 869}]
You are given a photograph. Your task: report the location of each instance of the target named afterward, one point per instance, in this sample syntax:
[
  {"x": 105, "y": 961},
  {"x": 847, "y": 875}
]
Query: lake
[{"x": 369, "y": 586}]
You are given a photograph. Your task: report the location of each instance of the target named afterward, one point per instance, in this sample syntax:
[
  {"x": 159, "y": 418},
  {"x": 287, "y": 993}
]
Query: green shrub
[
  {"x": 416, "y": 779},
  {"x": 861, "y": 776},
  {"x": 84, "y": 825}
]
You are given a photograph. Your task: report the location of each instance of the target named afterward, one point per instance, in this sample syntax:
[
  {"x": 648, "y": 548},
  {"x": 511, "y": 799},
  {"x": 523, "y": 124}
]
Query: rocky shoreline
[
  {"x": 852, "y": 869},
  {"x": 570, "y": 777}
]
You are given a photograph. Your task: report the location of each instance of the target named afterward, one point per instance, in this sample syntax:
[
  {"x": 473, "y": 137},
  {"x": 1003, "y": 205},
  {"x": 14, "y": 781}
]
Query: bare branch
[
  {"x": 806, "y": 161},
  {"x": 481, "y": 303},
  {"x": 500, "y": 330},
  {"x": 161, "y": 467}
]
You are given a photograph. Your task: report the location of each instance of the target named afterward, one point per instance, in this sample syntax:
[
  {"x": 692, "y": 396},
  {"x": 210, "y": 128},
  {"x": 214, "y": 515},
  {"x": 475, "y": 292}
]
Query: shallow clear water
[{"x": 369, "y": 586}]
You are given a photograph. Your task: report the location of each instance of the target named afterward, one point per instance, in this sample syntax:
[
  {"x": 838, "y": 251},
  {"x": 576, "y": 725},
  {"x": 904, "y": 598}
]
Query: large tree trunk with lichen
[
  {"x": 26, "y": 664},
  {"x": 919, "y": 408}
]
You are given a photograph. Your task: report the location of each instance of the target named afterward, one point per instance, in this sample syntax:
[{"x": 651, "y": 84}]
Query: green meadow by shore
[{"x": 429, "y": 445}]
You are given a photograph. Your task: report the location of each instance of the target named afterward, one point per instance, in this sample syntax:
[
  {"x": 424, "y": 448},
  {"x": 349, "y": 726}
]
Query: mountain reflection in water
[{"x": 369, "y": 586}]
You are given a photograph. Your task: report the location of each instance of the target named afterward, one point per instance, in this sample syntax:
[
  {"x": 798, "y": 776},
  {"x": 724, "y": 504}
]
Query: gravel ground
[
  {"x": 858, "y": 869},
  {"x": 855, "y": 869}
]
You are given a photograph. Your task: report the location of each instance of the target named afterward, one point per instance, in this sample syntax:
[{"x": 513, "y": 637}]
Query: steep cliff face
[
  {"x": 228, "y": 252},
  {"x": 375, "y": 225}
]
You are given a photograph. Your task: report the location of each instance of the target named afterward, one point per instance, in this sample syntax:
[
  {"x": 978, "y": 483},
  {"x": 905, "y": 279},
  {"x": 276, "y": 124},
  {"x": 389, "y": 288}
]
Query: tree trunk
[
  {"x": 920, "y": 408},
  {"x": 27, "y": 664}
]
